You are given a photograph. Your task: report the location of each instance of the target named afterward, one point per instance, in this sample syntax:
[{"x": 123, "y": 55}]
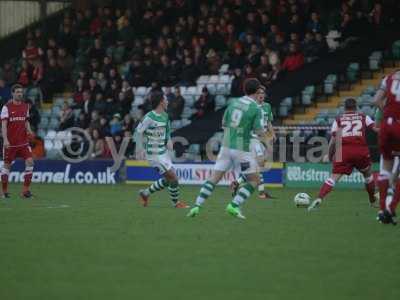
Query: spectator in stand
[
  {"x": 315, "y": 25},
  {"x": 130, "y": 150},
  {"x": 100, "y": 104},
  {"x": 294, "y": 60},
  {"x": 40, "y": 39},
  {"x": 81, "y": 121},
  {"x": 67, "y": 40},
  {"x": 53, "y": 81},
  {"x": 309, "y": 46},
  {"x": 107, "y": 65},
  {"x": 126, "y": 32},
  {"x": 67, "y": 118},
  {"x": 204, "y": 105},
  {"x": 37, "y": 73},
  {"x": 237, "y": 83},
  {"x": 97, "y": 52},
  {"x": 115, "y": 124},
  {"x": 37, "y": 146},
  {"x": 321, "y": 45},
  {"x": 25, "y": 74},
  {"x": 128, "y": 124},
  {"x": 123, "y": 104},
  {"x": 109, "y": 33},
  {"x": 8, "y": 74},
  {"x": 94, "y": 120},
  {"x": 31, "y": 53},
  {"x": 94, "y": 88},
  {"x": 66, "y": 62},
  {"x": 104, "y": 128},
  {"x": 263, "y": 70},
  {"x": 78, "y": 93},
  {"x": 87, "y": 105},
  {"x": 98, "y": 143},
  {"x": 249, "y": 72},
  {"x": 102, "y": 81},
  {"x": 347, "y": 26},
  {"x": 94, "y": 67},
  {"x": 5, "y": 92},
  {"x": 34, "y": 115},
  {"x": 189, "y": 73},
  {"x": 175, "y": 105},
  {"x": 213, "y": 62},
  {"x": 127, "y": 90}
]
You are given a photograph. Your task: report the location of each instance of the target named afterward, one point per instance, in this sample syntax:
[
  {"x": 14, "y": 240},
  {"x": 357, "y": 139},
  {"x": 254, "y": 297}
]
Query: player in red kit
[
  {"x": 387, "y": 98},
  {"x": 348, "y": 150},
  {"x": 16, "y": 130}
]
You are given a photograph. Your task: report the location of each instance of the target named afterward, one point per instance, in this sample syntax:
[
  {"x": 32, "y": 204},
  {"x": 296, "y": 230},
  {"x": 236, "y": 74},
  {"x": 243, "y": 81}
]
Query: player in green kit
[
  {"x": 242, "y": 117},
  {"x": 153, "y": 140},
  {"x": 259, "y": 147}
]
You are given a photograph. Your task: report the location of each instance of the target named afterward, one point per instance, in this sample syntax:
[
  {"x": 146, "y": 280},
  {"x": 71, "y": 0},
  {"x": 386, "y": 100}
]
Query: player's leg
[
  {"x": 162, "y": 166},
  {"x": 8, "y": 157},
  {"x": 369, "y": 184},
  {"x": 249, "y": 167},
  {"x": 223, "y": 164},
  {"x": 5, "y": 172},
  {"x": 326, "y": 188},
  {"x": 173, "y": 189},
  {"x": 26, "y": 193},
  {"x": 385, "y": 174}
]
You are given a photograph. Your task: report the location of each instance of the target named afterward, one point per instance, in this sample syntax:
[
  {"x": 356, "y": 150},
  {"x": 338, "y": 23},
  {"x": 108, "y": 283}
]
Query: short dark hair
[
  {"x": 251, "y": 86},
  {"x": 350, "y": 104},
  {"x": 16, "y": 87},
  {"x": 156, "y": 98}
]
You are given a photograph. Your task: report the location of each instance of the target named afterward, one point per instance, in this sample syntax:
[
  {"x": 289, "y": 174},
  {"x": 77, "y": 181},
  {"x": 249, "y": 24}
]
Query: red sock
[
  {"x": 383, "y": 184},
  {"x": 27, "y": 181},
  {"x": 4, "y": 181},
  {"x": 370, "y": 187},
  {"x": 326, "y": 188},
  {"x": 396, "y": 198}
]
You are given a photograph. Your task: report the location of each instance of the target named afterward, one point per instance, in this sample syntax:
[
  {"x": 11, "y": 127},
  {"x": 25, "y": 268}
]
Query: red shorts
[
  {"x": 11, "y": 153},
  {"x": 352, "y": 157},
  {"x": 389, "y": 138}
]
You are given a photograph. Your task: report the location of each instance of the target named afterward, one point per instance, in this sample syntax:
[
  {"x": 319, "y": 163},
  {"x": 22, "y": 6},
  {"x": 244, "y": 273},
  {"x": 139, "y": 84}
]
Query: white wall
[{"x": 15, "y": 15}]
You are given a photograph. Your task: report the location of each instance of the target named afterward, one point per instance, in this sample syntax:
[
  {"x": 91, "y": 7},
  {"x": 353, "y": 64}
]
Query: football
[{"x": 302, "y": 199}]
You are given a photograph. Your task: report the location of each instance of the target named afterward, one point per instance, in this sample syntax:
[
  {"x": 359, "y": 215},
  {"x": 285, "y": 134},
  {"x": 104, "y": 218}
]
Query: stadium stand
[{"x": 100, "y": 66}]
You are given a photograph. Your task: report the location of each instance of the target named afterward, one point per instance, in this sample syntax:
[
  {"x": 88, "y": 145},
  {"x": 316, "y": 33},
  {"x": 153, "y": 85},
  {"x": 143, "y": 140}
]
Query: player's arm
[
  {"x": 259, "y": 127},
  {"x": 4, "y": 123},
  {"x": 332, "y": 141},
  {"x": 170, "y": 146},
  {"x": 371, "y": 124},
  {"x": 139, "y": 139},
  {"x": 271, "y": 131},
  {"x": 6, "y": 143},
  {"x": 28, "y": 128},
  {"x": 380, "y": 96}
]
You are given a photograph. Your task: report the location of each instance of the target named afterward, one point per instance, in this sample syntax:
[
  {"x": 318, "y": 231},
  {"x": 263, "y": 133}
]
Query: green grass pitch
[{"x": 96, "y": 242}]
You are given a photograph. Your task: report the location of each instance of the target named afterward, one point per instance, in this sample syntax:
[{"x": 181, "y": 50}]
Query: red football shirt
[
  {"x": 353, "y": 128},
  {"x": 16, "y": 115},
  {"x": 391, "y": 85}
]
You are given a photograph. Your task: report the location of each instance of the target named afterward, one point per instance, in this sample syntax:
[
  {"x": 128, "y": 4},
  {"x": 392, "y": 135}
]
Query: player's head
[
  {"x": 158, "y": 100},
  {"x": 251, "y": 86},
  {"x": 260, "y": 94},
  {"x": 350, "y": 104},
  {"x": 17, "y": 92}
]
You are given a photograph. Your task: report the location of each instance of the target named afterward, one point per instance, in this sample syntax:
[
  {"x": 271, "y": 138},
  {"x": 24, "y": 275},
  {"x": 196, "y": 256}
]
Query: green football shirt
[
  {"x": 242, "y": 116},
  {"x": 156, "y": 130}
]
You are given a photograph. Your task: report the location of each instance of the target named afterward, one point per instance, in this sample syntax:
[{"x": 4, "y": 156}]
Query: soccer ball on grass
[{"x": 302, "y": 199}]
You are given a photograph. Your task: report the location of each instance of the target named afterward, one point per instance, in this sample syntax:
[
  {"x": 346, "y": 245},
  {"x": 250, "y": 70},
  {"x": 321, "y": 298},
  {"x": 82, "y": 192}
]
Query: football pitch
[{"x": 97, "y": 242}]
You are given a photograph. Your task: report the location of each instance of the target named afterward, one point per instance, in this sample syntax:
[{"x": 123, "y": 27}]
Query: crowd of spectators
[{"x": 101, "y": 54}]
